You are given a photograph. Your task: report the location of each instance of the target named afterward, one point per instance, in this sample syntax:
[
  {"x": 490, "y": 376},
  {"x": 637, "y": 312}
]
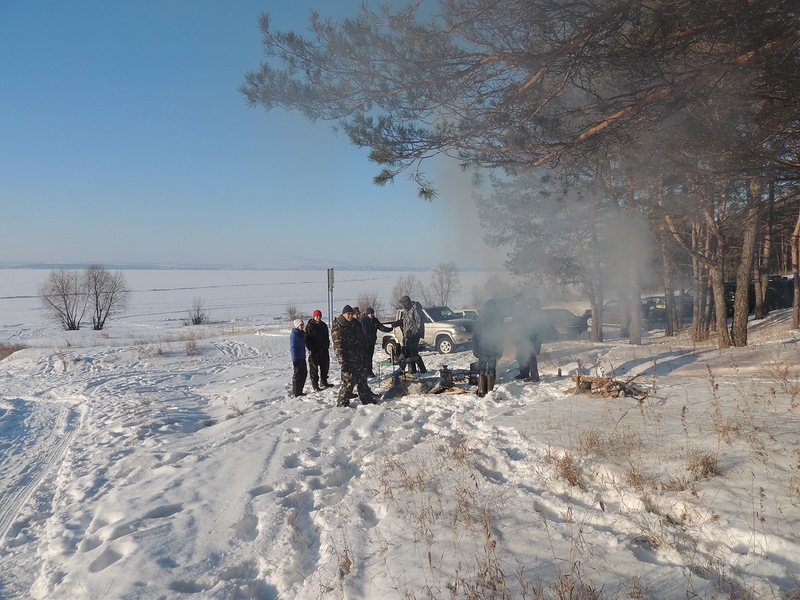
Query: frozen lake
[{"x": 164, "y": 297}]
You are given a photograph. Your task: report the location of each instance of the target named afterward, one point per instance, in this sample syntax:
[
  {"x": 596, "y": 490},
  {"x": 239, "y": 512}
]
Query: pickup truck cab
[{"x": 444, "y": 330}]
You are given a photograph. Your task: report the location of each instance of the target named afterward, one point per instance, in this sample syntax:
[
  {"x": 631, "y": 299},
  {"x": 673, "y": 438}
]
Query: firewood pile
[{"x": 608, "y": 387}]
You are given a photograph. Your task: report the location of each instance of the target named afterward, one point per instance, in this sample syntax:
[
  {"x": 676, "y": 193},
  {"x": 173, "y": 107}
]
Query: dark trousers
[
  {"x": 299, "y": 376},
  {"x": 487, "y": 365},
  {"x": 528, "y": 366},
  {"x": 369, "y": 356},
  {"x": 319, "y": 363},
  {"x": 412, "y": 354}
]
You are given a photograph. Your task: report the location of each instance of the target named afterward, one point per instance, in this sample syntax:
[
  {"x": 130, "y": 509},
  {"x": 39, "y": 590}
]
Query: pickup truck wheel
[
  {"x": 392, "y": 349},
  {"x": 444, "y": 345}
]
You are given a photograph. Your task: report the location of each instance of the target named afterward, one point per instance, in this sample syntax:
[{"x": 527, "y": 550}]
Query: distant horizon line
[{"x": 218, "y": 267}]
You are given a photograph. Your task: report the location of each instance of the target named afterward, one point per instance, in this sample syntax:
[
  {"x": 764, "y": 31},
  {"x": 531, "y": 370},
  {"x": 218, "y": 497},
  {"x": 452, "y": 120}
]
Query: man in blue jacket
[{"x": 297, "y": 350}]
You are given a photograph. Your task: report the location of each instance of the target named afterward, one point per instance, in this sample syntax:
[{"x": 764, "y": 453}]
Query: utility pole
[{"x": 330, "y": 297}]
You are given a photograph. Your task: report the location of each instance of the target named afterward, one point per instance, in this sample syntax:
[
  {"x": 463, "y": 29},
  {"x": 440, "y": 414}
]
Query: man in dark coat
[
  {"x": 529, "y": 343},
  {"x": 488, "y": 344},
  {"x": 318, "y": 343},
  {"x": 348, "y": 343},
  {"x": 371, "y": 325}
]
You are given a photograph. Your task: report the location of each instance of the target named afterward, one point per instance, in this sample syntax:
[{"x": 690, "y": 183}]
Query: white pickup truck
[{"x": 444, "y": 329}]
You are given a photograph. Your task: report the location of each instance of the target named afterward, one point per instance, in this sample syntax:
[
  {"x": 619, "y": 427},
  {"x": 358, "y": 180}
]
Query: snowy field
[{"x": 155, "y": 460}]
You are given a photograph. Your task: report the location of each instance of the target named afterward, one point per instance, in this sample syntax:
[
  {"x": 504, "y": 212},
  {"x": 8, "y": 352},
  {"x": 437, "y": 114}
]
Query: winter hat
[
  {"x": 297, "y": 323},
  {"x": 405, "y": 300},
  {"x": 356, "y": 311},
  {"x": 317, "y": 313},
  {"x": 370, "y": 311},
  {"x": 347, "y": 309}
]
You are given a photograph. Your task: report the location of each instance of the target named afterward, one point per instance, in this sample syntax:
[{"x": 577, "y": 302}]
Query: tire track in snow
[{"x": 35, "y": 437}]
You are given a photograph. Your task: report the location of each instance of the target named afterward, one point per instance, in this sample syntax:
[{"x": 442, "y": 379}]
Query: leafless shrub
[
  {"x": 236, "y": 411},
  {"x": 64, "y": 298},
  {"x": 292, "y": 312},
  {"x": 197, "y": 314},
  {"x": 7, "y": 350},
  {"x": 192, "y": 348}
]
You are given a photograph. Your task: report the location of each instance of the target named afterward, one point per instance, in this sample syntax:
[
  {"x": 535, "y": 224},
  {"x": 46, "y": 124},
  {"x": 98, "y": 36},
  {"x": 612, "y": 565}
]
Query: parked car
[
  {"x": 551, "y": 323},
  {"x": 469, "y": 313},
  {"x": 654, "y": 309},
  {"x": 560, "y": 323},
  {"x": 444, "y": 329}
]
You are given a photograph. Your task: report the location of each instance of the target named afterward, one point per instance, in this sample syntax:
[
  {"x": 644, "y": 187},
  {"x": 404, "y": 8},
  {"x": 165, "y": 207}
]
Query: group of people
[
  {"x": 493, "y": 331},
  {"x": 353, "y": 339}
]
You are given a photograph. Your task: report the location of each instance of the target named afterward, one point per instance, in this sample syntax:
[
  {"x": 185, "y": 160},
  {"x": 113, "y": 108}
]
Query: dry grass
[
  {"x": 566, "y": 467},
  {"x": 703, "y": 465},
  {"x": 7, "y": 350},
  {"x": 191, "y": 348},
  {"x": 236, "y": 410}
]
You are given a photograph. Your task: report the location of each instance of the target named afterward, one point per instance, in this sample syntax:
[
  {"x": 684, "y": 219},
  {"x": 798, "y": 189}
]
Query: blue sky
[{"x": 125, "y": 140}]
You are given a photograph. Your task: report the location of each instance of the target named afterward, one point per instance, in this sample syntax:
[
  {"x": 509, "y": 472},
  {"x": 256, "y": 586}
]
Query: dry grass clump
[
  {"x": 145, "y": 350},
  {"x": 786, "y": 379},
  {"x": 7, "y": 350},
  {"x": 703, "y": 465},
  {"x": 235, "y": 410},
  {"x": 191, "y": 348},
  {"x": 567, "y": 468},
  {"x": 592, "y": 442}
]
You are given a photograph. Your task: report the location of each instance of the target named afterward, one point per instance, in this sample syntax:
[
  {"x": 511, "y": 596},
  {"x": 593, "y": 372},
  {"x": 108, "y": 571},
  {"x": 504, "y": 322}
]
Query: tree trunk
[
  {"x": 635, "y": 286},
  {"x": 761, "y": 269},
  {"x": 741, "y": 307},
  {"x": 796, "y": 275},
  {"x": 718, "y": 289}
]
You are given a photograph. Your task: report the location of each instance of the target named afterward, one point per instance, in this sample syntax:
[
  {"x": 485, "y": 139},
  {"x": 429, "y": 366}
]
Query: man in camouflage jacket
[
  {"x": 348, "y": 343},
  {"x": 413, "y": 324}
]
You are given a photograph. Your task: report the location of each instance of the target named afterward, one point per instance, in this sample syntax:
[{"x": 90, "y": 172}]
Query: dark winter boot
[
  {"x": 534, "y": 370},
  {"x": 368, "y": 397},
  {"x": 342, "y": 400},
  {"x": 482, "y": 385},
  {"x": 421, "y": 364},
  {"x": 412, "y": 367},
  {"x": 490, "y": 382}
]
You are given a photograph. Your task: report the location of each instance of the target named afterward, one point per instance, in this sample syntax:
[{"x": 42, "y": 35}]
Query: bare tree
[
  {"x": 408, "y": 285},
  {"x": 197, "y": 314},
  {"x": 494, "y": 287},
  {"x": 445, "y": 282},
  {"x": 64, "y": 298},
  {"x": 107, "y": 294},
  {"x": 292, "y": 312},
  {"x": 370, "y": 300}
]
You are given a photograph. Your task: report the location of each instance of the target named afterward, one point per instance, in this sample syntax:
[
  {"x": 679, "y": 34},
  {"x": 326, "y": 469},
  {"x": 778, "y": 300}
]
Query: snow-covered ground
[{"x": 155, "y": 460}]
